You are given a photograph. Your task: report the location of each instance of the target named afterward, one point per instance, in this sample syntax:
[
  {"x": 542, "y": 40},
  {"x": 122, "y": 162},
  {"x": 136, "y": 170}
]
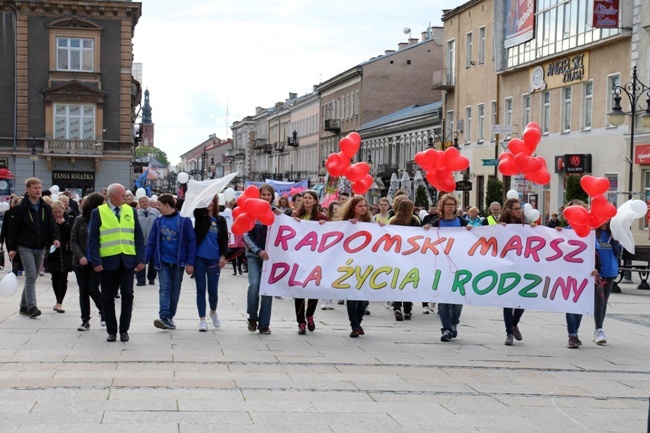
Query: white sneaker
[
  {"x": 425, "y": 310},
  {"x": 432, "y": 307},
  {"x": 215, "y": 319},
  {"x": 203, "y": 326},
  {"x": 599, "y": 337},
  {"x": 326, "y": 304},
  {"x": 388, "y": 305}
]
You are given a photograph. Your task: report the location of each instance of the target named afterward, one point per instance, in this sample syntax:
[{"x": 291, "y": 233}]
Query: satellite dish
[{"x": 407, "y": 30}]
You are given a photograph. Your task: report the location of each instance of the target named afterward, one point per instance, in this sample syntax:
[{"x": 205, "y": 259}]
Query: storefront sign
[
  {"x": 567, "y": 70},
  {"x": 577, "y": 163},
  {"x": 606, "y": 14},
  {"x": 80, "y": 176},
  {"x": 642, "y": 154}
]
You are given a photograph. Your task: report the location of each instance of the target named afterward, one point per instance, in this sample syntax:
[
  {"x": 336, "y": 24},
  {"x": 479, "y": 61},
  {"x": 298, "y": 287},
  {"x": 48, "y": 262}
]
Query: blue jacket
[{"x": 186, "y": 240}]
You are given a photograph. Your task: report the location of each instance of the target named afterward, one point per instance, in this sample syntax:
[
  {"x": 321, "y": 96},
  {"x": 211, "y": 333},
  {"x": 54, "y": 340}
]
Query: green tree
[
  {"x": 494, "y": 193},
  {"x": 160, "y": 155},
  {"x": 421, "y": 199},
  {"x": 574, "y": 190}
]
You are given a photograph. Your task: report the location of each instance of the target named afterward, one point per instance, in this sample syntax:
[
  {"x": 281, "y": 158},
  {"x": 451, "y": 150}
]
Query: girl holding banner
[
  {"x": 356, "y": 209},
  {"x": 308, "y": 210}
]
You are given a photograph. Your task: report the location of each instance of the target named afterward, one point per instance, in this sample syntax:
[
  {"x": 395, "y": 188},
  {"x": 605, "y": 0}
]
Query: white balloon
[
  {"x": 4, "y": 206},
  {"x": 222, "y": 199},
  {"x": 9, "y": 285},
  {"x": 512, "y": 194},
  {"x": 229, "y": 194},
  {"x": 154, "y": 197},
  {"x": 182, "y": 177},
  {"x": 533, "y": 215},
  {"x": 639, "y": 207},
  {"x": 54, "y": 189},
  {"x": 140, "y": 192},
  {"x": 422, "y": 214},
  {"x": 527, "y": 208}
]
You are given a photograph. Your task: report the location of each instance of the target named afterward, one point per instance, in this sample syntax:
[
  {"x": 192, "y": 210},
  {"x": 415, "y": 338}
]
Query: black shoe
[
  {"x": 85, "y": 325},
  {"x": 124, "y": 336},
  {"x": 24, "y": 311},
  {"x": 138, "y": 285},
  {"x": 366, "y": 313},
  {"x": 111, "y": 338},
  {"x": 33, "y": 312},
  {"x": 446, "y": 336},
  {"x": 234, "y": 272},
  {"x": 152, "y": 282},
  {"x": 240, "y": 272},
  {"x": 407, "y": 316},
  {"x": 398, "y": 316}
]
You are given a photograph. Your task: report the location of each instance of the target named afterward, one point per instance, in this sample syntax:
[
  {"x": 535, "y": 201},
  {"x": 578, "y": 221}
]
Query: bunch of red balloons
[
  {"x": 338, "y": 164},
  {"x": 519, "y": 159},
  {"x": 601, "y": 211},
  {"x": 250, "y": 208},
  {"x": 439, "y": 167}
]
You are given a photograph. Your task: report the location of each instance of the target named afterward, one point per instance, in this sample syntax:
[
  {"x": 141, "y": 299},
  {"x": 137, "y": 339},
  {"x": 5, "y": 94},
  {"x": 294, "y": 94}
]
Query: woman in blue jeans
[
  {"x": 259, "y": 311},
  {"x": 211, "y": 233}
]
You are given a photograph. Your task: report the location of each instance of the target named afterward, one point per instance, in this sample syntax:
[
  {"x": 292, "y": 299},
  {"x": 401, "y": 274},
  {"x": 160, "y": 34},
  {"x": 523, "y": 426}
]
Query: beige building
[{"x": 562, "y": 79}]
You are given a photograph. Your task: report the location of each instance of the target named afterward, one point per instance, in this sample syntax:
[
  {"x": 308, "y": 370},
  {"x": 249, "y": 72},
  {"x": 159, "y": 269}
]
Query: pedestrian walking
[{"x": 58, "y": 261}]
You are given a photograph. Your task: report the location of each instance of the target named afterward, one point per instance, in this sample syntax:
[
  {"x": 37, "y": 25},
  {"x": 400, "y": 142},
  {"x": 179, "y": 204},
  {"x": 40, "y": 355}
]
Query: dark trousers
[
  {"x": 59, "y": 285},
  {"x": 300, "y": 309},
  {"x": 88, "y": 282},
  {"x": 150, "y": 273},
  {"x": 511, "y": 318},
  {"x": 408, "y": 306},
  {"x": 120, "y": 279},
  {"x": 356, "y": 310}
]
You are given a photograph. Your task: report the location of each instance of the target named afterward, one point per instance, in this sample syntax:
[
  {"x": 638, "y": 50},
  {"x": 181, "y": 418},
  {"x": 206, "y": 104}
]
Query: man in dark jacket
[{"x": 32, "y": 228}]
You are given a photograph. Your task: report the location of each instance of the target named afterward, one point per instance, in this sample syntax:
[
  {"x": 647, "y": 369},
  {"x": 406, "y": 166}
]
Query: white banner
[{"x": 512, "y": 266}]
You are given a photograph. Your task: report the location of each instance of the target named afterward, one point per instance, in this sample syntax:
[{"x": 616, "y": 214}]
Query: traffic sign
[
  {"x": 501, "y": 129},
  {"x": 490, "y": 162}
]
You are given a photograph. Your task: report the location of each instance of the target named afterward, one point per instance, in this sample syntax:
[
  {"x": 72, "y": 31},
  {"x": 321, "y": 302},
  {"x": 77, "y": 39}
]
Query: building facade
[{"x": 67, "y": 105}]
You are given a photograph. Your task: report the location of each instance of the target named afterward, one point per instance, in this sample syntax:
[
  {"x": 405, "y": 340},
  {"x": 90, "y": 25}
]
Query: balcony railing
[
  {"x": 228, "y": 156},
  {"x": 259, "y": 143},
  {"x": 74, "y": 147},
  {"x": 333, "y": 125},
  {"x": 240, "y": 154},
  {"x": 291, "y": 142},
  {"x": 268, "y": 148},
  {"x": 444, "y": 79}
]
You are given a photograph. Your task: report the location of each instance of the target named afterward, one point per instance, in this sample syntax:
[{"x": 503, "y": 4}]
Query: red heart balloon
[
  {"x": 357, "y": 171},
  {"x": 244, "y": 223},
  {"x": 532, "y": 136},
  {"x": 594, "y": 186},
  {"x": 250, "y": 192},
  {"x": 534, "y": 125},
  {"x": 427, "y": 159},
  {"x": 334, "y": 165},
  {"x": 267, "y": 218},
  {"x": 596, "y": 221},
  {"x": 432, "y": 179},
  {"x": 517, "y": 146},
  {"x": 541, "y": 176},
  {"x": 527, "y": 164},
  {"x": 236, "y": 212},
  {"x": 355, "y": 137},
  {"x": 349, "y": 146},
  {"x": 581, "y": 230},
  {"x": 454, "y": 161},
  {"x": 256, "y": 207},
  {"x": 576, "y": 216},
  {"x": 445, "y": 180},
  {"x": 507, "y": 166},
  {"x": 363, "y": 185},
  {"x": 603, "y": 208}
]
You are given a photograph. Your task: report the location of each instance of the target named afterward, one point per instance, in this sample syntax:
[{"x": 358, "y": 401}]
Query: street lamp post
[
  {"x": 33, "y": 157},
  {"x": 634, "y": 90},
  {"x": 204, "y": 159}
]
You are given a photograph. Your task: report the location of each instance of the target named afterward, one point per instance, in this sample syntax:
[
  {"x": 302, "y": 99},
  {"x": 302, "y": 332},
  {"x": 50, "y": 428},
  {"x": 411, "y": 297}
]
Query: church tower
[{"x": 147, "y": 125}]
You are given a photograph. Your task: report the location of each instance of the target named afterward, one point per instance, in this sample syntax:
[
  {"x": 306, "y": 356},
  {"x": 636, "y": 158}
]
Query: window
[
  {"x": 566, "y": 109},
  {"x": 74, "y": 122},
  {"x": 546, "y": 111},
  {"x": 493, "y": 118},
  {"x": 612, "y": 82},
  {"x": 468, "y": 124},
  {"x": 481, "y": 45},
  {"x": 451, "y": 61},
  {"x": 468, "y": 51},
  {"x": 481, "y": 123},
  {"x": 587, "y": 104},
  {"x": 526, "y": 111},
  {"x": 508, "y": 110},
  {"x": 74, "y": 54},
  {"x": 451, "y": 124}
]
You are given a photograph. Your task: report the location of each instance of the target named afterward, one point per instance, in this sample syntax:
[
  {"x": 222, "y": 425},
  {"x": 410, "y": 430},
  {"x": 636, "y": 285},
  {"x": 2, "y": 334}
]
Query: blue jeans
[
  {"x": 356, "y": 310},
  {"x": 449, "y": 315},
  {"x": 511, "y": 317},
  {"x": 170, "y": 278},
  {"x": 32, "y": 260},
  {"x": 260, "y": 311},
  {"x": 206, "y": 269},
  {"x": 573, "y": 323}
]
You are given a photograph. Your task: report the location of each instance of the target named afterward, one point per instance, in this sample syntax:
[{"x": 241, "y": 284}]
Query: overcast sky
[{"x": 208, "y": 63}]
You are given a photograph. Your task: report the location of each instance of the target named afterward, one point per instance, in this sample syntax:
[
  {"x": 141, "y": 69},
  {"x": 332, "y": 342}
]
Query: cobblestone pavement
[{"x": 399, "y": 377}]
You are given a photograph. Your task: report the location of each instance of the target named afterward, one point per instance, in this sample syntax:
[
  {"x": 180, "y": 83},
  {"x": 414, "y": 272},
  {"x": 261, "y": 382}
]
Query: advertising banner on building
[
  {"x": 501, "y": 266},
  {"x": 606, "y": 14},
  {"x": 519, "y": 22},
  {"x": 642, "y": 154}
]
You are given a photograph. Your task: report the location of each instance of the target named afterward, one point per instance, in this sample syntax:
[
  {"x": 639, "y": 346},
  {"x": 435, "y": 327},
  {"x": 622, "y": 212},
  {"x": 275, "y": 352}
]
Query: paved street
[{"x": 398, "y": 377}]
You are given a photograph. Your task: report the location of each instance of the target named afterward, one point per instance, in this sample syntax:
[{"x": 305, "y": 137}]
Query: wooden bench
[{"x": 638, "y": 262}]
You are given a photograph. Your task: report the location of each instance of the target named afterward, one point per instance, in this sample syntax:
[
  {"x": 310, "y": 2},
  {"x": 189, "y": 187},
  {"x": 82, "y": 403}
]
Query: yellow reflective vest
[
  {"x": 492, "y": 221},
  {"x": 116, "y": 237}
]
